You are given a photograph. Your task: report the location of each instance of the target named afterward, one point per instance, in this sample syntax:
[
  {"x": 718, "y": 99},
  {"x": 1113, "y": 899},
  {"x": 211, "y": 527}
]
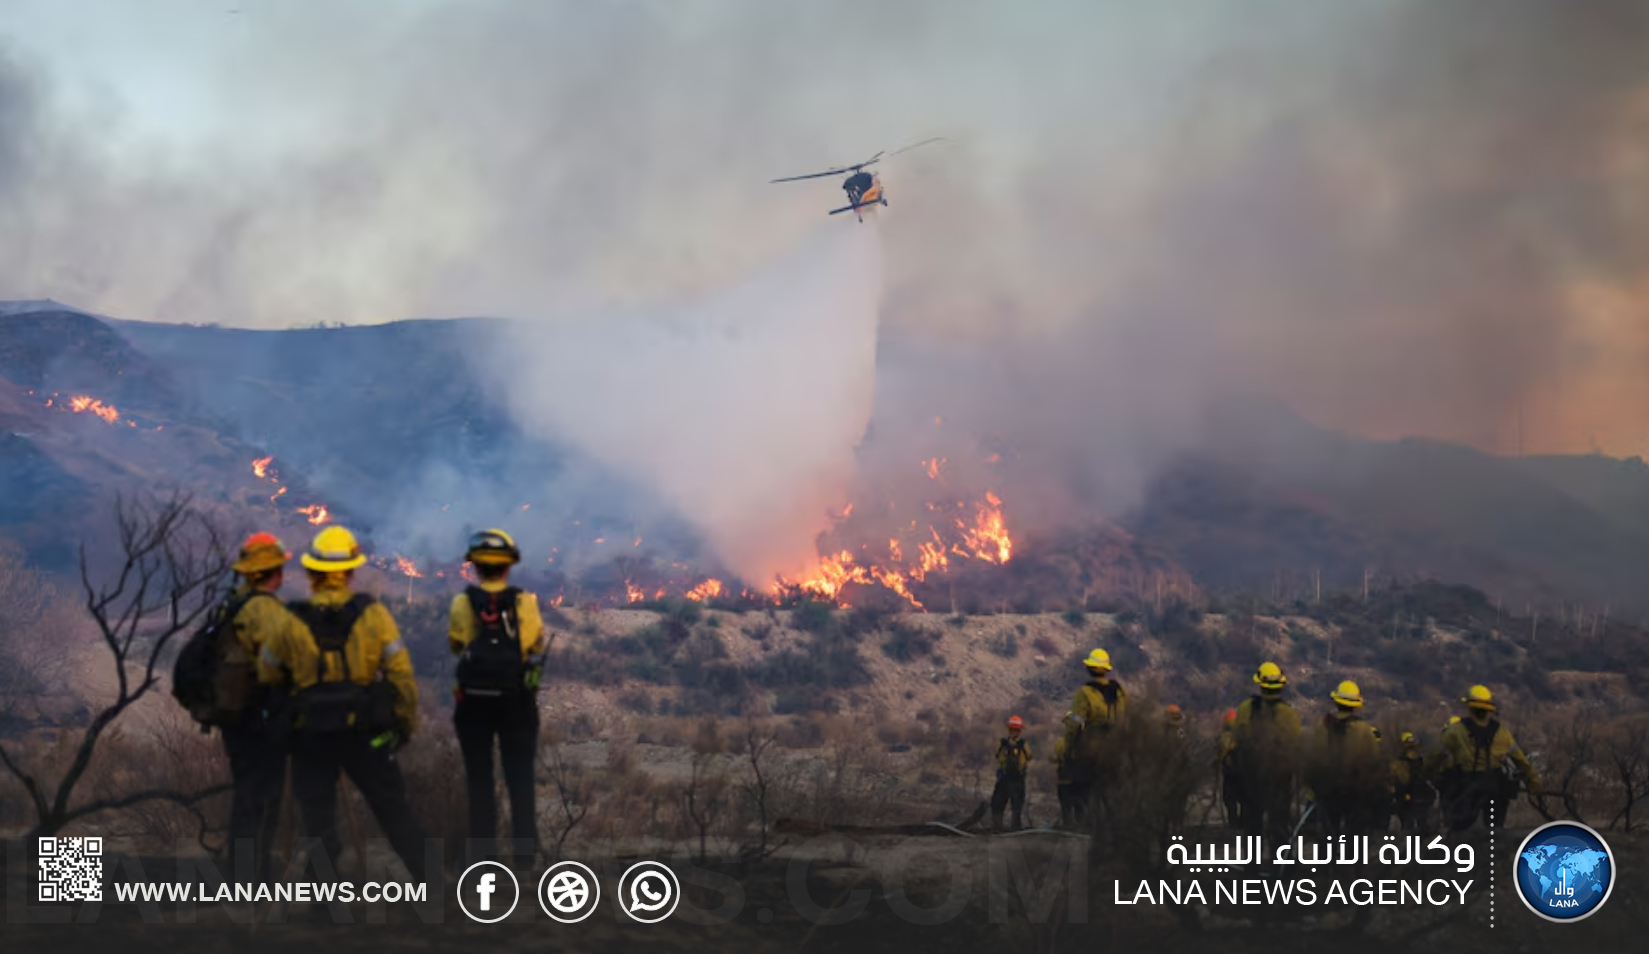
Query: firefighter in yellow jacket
[
  {"x": 257, "y": 765},
  {"x": 343, "y": 716},
  {"x": 1412, "y": 791},
  {"x": 1098, "y": 708},
  {"x": 1346, "y": 774},
  {"x": 1266, "y": 755},
  {"x": 497, "y": 633},
  {"x": 1013, "y": 758},
  {"x": 1479, "y": 755}
]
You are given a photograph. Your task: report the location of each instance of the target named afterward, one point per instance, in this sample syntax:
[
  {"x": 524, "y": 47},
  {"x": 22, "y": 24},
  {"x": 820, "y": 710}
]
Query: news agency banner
[{"x": 1311, "y": 872}]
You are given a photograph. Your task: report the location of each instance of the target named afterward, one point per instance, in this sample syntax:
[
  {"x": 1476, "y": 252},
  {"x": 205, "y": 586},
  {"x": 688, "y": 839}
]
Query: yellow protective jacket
[
  {"x": 1012, "y": 756},
  {"x": 1411, "y": 773},
  {"x": 1480, "y": 743},
  {"x": 462, "y": 625},
  {"x": 1266, "y": 740},
  {"x": 374, "y": 646},
  {"x": 1099, "y": 705},
  {"x": 261, "y": 621}
]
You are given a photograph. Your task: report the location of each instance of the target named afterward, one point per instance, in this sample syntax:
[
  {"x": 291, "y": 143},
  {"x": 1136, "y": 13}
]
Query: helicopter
[{"x": 864, "y": 189}]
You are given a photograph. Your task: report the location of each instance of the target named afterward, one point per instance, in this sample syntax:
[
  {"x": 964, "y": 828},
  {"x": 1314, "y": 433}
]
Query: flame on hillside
[
  {"x": 317, "y": 514},
  {"x": 978, "y": 532},
  {"x": 263, "y": 468},
  {"x": 82, "y": 404},
  {"x": 708, "y": 590},
  {"x": 407, "y": 568}
]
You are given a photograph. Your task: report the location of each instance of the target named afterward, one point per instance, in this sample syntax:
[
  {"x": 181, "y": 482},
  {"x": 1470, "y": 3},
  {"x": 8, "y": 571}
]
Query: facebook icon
[{"x": 477, "y": 888}]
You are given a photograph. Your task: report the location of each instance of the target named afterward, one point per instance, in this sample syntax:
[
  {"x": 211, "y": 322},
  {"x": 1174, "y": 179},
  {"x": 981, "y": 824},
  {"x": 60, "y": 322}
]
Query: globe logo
[{"x": 1564, "y": 871}]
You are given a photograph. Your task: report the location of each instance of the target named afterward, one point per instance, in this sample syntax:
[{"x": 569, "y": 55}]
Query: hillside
[{"x": 396, "y": 430}]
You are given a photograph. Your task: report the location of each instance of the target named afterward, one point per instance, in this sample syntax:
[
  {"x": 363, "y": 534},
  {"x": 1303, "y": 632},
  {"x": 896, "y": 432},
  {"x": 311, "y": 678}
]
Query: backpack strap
[
  {"x": 332, "y": 627},
  {"x": 488, "y": 606}
]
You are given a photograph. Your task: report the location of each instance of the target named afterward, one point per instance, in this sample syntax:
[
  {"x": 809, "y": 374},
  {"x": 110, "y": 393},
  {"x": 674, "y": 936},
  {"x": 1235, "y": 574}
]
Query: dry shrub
[{"x": 432, "y": 766}]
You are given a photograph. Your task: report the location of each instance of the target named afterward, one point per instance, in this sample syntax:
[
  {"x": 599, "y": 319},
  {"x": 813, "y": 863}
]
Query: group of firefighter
[
  {"x": 329, "y": 690},
  {"x": 323, "y": 687},
  {"x": 1263, "y": 758}
]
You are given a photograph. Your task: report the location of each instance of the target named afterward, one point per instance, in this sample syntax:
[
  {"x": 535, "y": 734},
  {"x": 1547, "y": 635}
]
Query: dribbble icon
[
  {"x": 648, "y": 892},
  {"x": 1565, "y": 871}
]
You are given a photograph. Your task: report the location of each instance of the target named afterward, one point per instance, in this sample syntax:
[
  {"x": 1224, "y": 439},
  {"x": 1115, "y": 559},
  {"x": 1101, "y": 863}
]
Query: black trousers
[
  {"x": 318, "y": 759},
  {"x": 1266, "y": 805},
  {"x": 1010, "y": 789},
  {"x": 257, "y": 768},
  {"x": 513, "y": 722}
]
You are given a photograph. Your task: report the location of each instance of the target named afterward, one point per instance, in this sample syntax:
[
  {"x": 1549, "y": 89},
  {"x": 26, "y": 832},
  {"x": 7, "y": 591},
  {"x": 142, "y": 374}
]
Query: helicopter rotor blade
[
  {"x": 815, "y": 175},
  {"x": 915, "y": 145},
  {"x": 844, "y": 170}
]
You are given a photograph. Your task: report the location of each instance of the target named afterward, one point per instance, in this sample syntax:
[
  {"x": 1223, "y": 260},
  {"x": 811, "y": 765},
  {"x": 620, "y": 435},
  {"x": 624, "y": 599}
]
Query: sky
[{"x": 1398, "y": 217}]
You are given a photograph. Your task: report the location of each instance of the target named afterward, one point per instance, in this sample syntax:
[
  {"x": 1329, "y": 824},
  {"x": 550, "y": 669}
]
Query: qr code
[{"x": 71, "y": 869}]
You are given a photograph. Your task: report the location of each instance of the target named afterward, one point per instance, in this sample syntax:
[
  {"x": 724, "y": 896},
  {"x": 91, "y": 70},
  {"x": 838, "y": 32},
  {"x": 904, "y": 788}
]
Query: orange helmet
[
  {"x": 1015, "y": 722},
  {"x": 260, "y": 553}
]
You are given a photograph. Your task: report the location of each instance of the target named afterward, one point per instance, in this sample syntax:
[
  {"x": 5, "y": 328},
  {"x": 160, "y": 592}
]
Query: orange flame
[
  {"x": 84, "y": 403},
  {"x": 317, "y": 513},
  {"x": 982, "y": 536},
  {"x": 260, "y": 466},
  {"x": 708, "y": 590},
  {"x": 634, "y": 592},
  {"x": 279, "y": 493},
  {"x": 988, "y": 538},
  {"x": 407, "y": 567}
]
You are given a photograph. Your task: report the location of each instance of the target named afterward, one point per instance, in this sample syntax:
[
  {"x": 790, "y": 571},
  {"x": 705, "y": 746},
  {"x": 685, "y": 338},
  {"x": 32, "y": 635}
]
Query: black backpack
[
  {"x": 491, "y": 665},
  {"x": 338, "y": 705},
  {"x": 214, "y": 678},
  {"x": 1013, "y": 747}
]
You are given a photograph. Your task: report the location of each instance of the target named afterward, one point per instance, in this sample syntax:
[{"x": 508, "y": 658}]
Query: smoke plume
[{"x": 742, "y": 409}]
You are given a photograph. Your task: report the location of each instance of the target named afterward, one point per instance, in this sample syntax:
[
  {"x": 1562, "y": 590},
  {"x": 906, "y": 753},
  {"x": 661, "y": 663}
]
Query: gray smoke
[{"x": 1395, "y": 217}]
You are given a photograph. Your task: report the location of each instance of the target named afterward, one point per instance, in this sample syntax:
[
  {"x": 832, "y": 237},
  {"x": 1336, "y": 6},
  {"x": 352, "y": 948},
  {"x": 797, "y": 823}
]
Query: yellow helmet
[
  {"x": 1348, "y": 695},
  {"x": 1478, "y": 697},
  {"x": 1099, "y": 660},
  {"x": 1453, "y": 719},
  {"x": 1270, "y": 676},
  {"x": 1407, "y": 738},
  {"x": 494, "y": 547},
  {"x": 333, "y": 550}
]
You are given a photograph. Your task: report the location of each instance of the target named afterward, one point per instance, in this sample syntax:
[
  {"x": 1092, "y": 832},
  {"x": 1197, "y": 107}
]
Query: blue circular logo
[{"x": 1564, "y": 871}]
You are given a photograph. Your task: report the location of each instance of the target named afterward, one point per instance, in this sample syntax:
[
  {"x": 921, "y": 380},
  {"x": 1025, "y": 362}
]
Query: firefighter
[
  {"x": 1178, "y": 781},
  {"x": 1225, "y": 766},
  {"x": 1013, "y": 757},
  {"x": 1265, "y": 752},
  {"x": 343, "y": 717},
  {"x": 1097, "y": 709},
  {"x": 1346, "y": 775},
  {"x": 1480, "y": 755},
  {"x": 497, "y": 633},
  {"x": 1412, "y": 792},
  {"x": 257, "y": 765}
]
